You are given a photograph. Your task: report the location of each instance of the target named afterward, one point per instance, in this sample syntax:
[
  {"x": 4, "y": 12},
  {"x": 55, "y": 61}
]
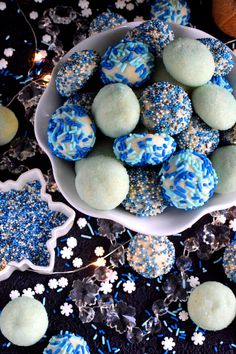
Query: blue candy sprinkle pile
[
  {"x": 67, "y": 343},
  {"x": 176, "y": 11}
]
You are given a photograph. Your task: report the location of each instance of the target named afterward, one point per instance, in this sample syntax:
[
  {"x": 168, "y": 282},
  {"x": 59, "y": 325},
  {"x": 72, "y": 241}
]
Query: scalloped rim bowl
[
  {"x": 172, "y": 221},
  {"x": 30, "y": 176}
]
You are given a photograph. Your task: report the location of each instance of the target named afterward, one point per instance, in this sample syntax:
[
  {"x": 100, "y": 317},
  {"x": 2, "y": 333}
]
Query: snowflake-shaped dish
[{"x": 18, "y": 185}]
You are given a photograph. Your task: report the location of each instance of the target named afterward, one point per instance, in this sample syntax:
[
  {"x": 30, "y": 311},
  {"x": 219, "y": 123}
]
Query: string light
[
  {"x": 38, "y": 57},
  {"x": 46, "y": 78}
]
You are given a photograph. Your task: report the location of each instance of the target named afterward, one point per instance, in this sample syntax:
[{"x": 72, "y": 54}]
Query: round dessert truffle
[
  {"x": 215, "y": 105},
  {"x": 189, "y": 61},
  {"x": 222, "y": 82},
  {"x": 198, "y": 136},
  {"x": 128, "y": 62},
  {"x": 223, "y": 161},
  {"x": 83, "y": 100},
  {"x": 24, "y": 321},
  {"x": 105, "y": 21},
  {"x": 188, "y": 180},
  {"x": 67, "y": 343},
  {"x": 156, "y": 34},
  {"x": 116, "y": 110},
  {"x": 145, "y": 193},
  {"x": 144, "y": 149},
  {"x": 151, "y": 256},
  {"x": 102, "y": 182},
  {"x": 176, "y": 11},
  {"x": 228, "y": 137},
  {"x": 212, "y": 306},
  {"x": 229, "y": 261},
  {"x": 71, "y": 133},
  {"x": 221, "y": 53},
  {"x": 8, "y": 125},
  {"x": 76, "y": 71},
  {"x": 165, "y": 108}
]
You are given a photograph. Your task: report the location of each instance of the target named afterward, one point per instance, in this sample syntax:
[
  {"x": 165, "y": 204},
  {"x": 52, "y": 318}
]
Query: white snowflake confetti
[
  {"x": 14, "y": 294},
  {"x": 130, "y": 7},
  {"x": 66, "y": 253},
  {"x": 33, "y": 15},
  {"x": 40, "y": 1},
  {"x": 113, "y": 276},
  {"x": 84, "y": 4},
  {"x": 129, "y": 286},
  {"x": 168, "y": 343},
  {"x": 3, "y": 63},
  {"x": 28, "y": 292},
  {"x": 99, "y": 251},
  {"x": 221, "y": 219},
  {"x": 39, "y": 289},
  {"x": 8, "y": 52},
  {"x": 86, "y": 12},
  {"x": 232, "y": 224},
  {"x": 66, "y": 309},
  {"x": 46, "y": 38},
  {"x": 53, "y": 283},
  {"x": 138, "y": 18},
  {"x": 63, "y": 282},
  {"x": 140, "y": 1},
  {"x": 183, "y": 316},
  {"x": 193, "y": 281},
  {"x": 198, "y": 338},
  {"x": 100, "y": 262},
  {"x": 3, "y": 5},
  {"x": 77, "y": 262},
  {"x": 81, "y": 222},
  {"x": 120, "y": 4},
  {"x": 71, "y": 242},
  {"x": 106, "y": 287}
]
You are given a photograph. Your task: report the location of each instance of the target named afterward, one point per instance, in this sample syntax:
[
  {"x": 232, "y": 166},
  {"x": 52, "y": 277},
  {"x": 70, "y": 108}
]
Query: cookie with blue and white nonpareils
[
  {"x": 165, "y": 108},
  {"x": 176, "y": 11},
  {"x": 154, "y": 33},
  {"x": 145, "y": 193},
  {"x": 84, "y": 100},
  {"x": 222, "y": 57},
  {"x": 67, "y": 343},
  {"x": 130, "y": 63},
  {"x": 199, "y": 137},
  {"x": 188, "y": 180},
  {"x": 71, "y": 133},
  {"x": 104, "y": 21},
  {"x": 76, "y": 71},
  {"x": 144, "y": 149}
]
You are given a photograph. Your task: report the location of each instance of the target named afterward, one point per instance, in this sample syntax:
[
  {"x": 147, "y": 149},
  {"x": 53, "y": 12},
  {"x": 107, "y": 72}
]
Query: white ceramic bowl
[{"x": 172, "y": 221}]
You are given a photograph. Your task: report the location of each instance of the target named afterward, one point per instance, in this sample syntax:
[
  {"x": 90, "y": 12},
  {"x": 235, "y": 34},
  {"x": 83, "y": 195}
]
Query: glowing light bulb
[
  {"x": 47, "y": 78},
  {"x": 38, "y": 57}
]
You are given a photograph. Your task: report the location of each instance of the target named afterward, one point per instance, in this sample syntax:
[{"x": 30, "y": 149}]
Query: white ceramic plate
[{"x": 170, "y": 222}]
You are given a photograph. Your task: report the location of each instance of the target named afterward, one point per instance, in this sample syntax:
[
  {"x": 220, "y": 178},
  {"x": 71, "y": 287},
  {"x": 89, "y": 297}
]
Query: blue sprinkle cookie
[
  {"x": 67, "y": 343},
  {"x": 229, "y": 261},
  {"x": 71, "y": 133},
  {"x": 151, "y": 256},
  {"x": 165, "y": 108},
  {"x": 144, "y": 149},
  {"x": 176, "y": 11},
  {"x": 221, "y": 81},
  {"x": 188, "y": 180},
  {"x": 128, "y": 62},
  {"x": 154, "y": 33},
  {"x": 145, "y": 194},
  {"x": 84, "y": 100},
  {"x": 198, "y": 136},
  {"x": 105, "y": 21},
  {"x": 222, "y": 57},
  {"x": 76, "y": 71}
]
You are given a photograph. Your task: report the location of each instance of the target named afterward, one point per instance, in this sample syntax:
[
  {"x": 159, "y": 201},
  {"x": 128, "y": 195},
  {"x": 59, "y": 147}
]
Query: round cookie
[
  {"x": 165, "y": 108},
  {"x": 84, "y": 100},
  {"x": 189, "y": 61},
  {"x": 215, "y": 105},
  {"x": 156, "y": 34},
  {"x": 102, "y": 182},
  {"x": 176, "y": 11},
  {"x": 71, "y": 133},
  {"x": 229, "y": 261},
  {"x": 223, "y": 161},
  {"x": 228, "y": 137},
  {"x": 8, "y": 125},
  {"x": 144, "y": 149},
  {"x": 130, "y": 63},
  {"x": 24, "y": 321},
  {"x": 221, "y": 53},
  {"x": 105, "y": 21},
  {"x": 76, "y": 71},
  {"x": 188, "y": 180},
  {"x": 116, "y": 110},
  {"x": 222, "y": 82},
  {"x": 145, "y": 193},
  {"x": 151, "y": 256},
  {"x": 199, "y": 137},
  {"x": 212, "y": 306},
  {"x": 67, "y": 343}
]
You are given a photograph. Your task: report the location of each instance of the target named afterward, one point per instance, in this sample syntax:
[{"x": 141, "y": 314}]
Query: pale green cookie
[{"x": 8, "y": 125}]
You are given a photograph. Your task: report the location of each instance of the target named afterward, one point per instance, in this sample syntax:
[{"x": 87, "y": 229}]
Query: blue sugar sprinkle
[{"x": 67, "y": 343}]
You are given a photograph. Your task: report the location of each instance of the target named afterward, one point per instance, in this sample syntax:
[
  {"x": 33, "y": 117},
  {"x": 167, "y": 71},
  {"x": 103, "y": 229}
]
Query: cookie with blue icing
[
  {"x": 128, "y": 62},
  {"x": 176, "y": 11},
  {"x": 104, "y": 21},
  {"x": 71, "y": 133},
  {"x": 67, "y": 343},
  {"x": 144, "y": 149},
  {"x": 188, "y": 180}
]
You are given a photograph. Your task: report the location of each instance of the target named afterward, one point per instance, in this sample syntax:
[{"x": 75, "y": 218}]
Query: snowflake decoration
[
  {"x": 28, "y": 292},
  {"x": 113, "y": 276},
  {"x": 198, "y": 338},
  {"x": 53, "y": 283},
  {"x": 40, "y": 1},
  {"x": 71, "y": 242},
  {"x": 81, "y": 222},
  {"x": 129, "y": 286},
  {"x": 66, "y": 253},
  {"x": 232, "y": 224},
  {"x": 39, "y": 289},
  {"x": 99, "y": 251},
  {"x": 8, "y": 52},
  {"x": 168, "y": 343},
  {"x": 3, "y": 63},
  {"x": 86, "y": 12},
  {"x": 130, "y": 6},
  {"x": 193, "y": 281},
  {"x": 120, "y": 4},
  {"x": 3, "y": 6},
  {"x": 46, "y": 38},
  {"x": 66, "y": 309},
  {"x": 183, "y": 316},
  {"x": 100, "y": 262},
  {"x": 63, "y": 282},
  {"x": 84, "y": 4},
  {"x": 140, "y": 1},
  {"x": 14, "y": 294},
  {"x": 77, "y": 262},
  {"x": 106, "y": 287},
  {"x": 139, "y": 18},
  {"x": 33, "y": 15}
]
